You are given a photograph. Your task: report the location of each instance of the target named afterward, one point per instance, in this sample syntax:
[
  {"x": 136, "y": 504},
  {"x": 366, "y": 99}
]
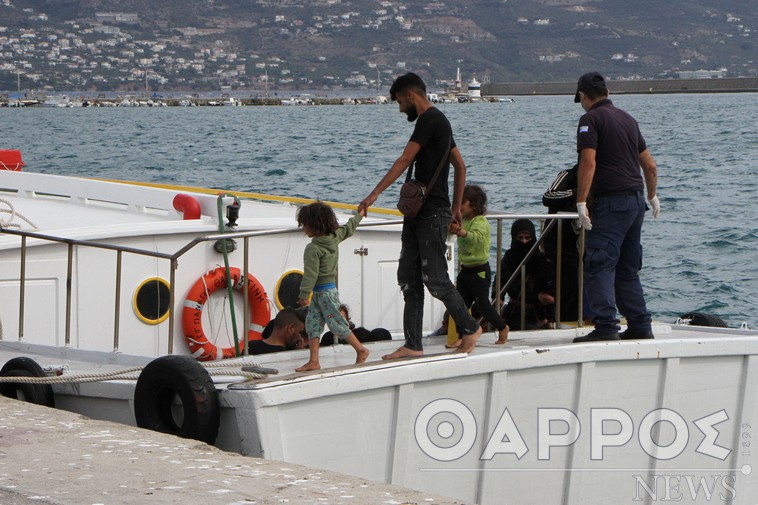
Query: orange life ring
[{"x": 199, "y": 345}]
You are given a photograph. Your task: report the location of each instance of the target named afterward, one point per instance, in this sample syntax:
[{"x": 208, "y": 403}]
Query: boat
[
  {"x": 58, "y": 101},
  {"x": 97, "y": 280},
  {"x": 304, "y": 99}
]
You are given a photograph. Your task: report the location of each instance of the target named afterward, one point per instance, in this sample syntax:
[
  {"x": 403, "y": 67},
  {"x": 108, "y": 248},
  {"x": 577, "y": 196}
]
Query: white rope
[
  {"x": 12, "y": 211},
  {"x": 215, "y": 332},
  {"x": 225, "y": 368}
]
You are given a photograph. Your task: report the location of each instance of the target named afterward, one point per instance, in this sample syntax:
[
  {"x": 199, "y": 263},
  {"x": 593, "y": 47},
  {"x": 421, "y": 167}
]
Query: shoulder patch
[{"x": 584, "y": 129}]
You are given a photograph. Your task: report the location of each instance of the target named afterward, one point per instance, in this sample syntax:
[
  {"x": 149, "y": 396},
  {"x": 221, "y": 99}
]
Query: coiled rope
[{"x": 12, "y": 211}]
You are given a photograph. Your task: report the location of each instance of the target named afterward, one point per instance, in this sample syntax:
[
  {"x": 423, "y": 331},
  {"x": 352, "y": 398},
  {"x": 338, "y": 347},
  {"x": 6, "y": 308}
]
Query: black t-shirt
[
  {"x": 617, "y": 140},
  {"x": 433, "y": 133},
  {"x": 263, "y": 347}
]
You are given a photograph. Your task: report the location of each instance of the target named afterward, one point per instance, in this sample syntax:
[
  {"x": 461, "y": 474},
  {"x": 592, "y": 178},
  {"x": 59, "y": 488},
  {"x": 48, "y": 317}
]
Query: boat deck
[{"x": 339, "y": 360}]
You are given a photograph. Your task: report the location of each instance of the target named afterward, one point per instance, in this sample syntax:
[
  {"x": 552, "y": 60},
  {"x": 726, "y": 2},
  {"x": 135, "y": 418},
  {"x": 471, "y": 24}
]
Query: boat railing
[
  {"x": 246, "y": 236},
  {"x": 173, "y": 259},
  {"x": 548, "y": 224},
  {"x": 71, "y": 244}
]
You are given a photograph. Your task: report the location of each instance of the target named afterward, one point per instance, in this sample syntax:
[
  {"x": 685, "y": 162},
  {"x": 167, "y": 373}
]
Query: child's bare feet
[
  {"x": 454, "y": 345},
  {"x": 309, "y": 366},
  {"x": 361, "y": 355},
  {"x": 469, "y": 341},
  {"x": 404, "y": 352},
  {"x": 502, "y": 336}
]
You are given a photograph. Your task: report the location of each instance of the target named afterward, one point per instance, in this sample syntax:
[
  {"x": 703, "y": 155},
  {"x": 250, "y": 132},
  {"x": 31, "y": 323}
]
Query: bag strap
[{"x": 445, "y": 158}]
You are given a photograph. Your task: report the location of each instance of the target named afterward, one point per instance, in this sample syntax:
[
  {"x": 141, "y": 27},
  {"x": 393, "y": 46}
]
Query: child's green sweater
[
  {"x": 321, "y": 256},
  {"x": 474, "y": 248}
]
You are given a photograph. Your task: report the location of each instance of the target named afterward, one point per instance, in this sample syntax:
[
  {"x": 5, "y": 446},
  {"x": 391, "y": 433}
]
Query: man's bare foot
[
  {"x": 361, "y": 355},
  {"x": 309, "y": 366},
  {"x": 502, "y": 336},
  {"x": 454, "y": 345},
  {"x": 469, "y": 341},
  {"x": 404, "y": 352}
]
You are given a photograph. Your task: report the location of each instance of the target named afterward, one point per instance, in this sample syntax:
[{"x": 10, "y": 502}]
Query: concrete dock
[{"x": 55, "y": 457}]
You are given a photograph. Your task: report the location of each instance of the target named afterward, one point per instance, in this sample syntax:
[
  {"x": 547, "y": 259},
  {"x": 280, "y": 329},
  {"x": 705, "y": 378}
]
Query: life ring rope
[{"x": 200, "y": 347}]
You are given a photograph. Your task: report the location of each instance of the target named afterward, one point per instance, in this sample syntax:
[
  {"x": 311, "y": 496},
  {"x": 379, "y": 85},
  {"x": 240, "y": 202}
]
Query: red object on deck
[
  {"x": 188, "y": 205},
  {"x": 10, "y": 159}
]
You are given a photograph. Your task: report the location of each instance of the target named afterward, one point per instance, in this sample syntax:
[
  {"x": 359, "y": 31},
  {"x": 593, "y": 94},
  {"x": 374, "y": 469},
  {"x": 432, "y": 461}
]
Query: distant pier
[
  {"x": 656, "y": 86},
  {"x": 489, "y": 93}
]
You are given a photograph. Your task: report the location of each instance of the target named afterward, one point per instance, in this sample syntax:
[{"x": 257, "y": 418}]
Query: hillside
[{"x": 291, "y": 44}]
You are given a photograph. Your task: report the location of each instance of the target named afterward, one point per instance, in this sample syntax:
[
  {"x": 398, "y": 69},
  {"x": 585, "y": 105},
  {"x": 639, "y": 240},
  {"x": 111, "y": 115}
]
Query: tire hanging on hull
[
  {"x": 176, "y": 395},
  {"x": 39, "y": 394},
  {"x": 700, "y": 319}
]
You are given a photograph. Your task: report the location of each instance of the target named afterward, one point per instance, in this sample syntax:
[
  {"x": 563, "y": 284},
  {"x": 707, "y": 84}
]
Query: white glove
[
  {"x": 656, "y": 205},
  {"x": 584, "y": 216}
]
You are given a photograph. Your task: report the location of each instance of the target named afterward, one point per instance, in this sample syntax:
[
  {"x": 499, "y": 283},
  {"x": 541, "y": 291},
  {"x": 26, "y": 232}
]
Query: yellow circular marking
[
  {"x": 278, "y": 302},
  {"x": 143, "y": 299}
]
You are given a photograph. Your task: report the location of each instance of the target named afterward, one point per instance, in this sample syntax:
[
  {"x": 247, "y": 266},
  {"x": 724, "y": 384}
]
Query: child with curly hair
[
  {"x": 319, "y": 278},
  {"x": 473, "y": 252}
]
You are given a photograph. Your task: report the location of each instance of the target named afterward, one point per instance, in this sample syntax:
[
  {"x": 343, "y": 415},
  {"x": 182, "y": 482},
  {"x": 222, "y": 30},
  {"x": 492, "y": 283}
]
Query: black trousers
[{"x": 474, "y": 286}]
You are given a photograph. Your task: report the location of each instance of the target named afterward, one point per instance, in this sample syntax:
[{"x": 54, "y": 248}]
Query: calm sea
[{"x": 701, "y": 254}]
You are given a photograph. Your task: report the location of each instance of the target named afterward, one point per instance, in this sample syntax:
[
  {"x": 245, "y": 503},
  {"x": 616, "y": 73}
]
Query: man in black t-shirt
[
  {"x": 422, "y": 258},
  {"x": 611, "y": 207}
]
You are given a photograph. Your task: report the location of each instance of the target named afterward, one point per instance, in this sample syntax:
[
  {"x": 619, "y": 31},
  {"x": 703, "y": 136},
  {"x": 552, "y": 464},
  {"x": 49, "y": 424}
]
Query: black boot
[{"x": 597, "y": 336}]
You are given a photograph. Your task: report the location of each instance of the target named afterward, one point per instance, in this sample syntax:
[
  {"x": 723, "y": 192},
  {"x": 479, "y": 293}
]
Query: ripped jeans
[{"x": 422, "y": 262}]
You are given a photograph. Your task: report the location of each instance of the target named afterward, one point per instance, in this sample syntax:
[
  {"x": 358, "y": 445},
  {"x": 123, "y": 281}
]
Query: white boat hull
[{"x": 538, "y": 420}]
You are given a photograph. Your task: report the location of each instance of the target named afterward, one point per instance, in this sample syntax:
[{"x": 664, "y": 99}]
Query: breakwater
[
  {"x": 147, "y": 101},
  {"x": 489, "y": 91},
  {"x": 654, "y": 86}
]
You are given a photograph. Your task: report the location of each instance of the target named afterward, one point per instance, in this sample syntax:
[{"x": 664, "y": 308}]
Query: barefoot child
[
  {"x": 473, "y": 251},
  {"x": 319, "y": 277}
]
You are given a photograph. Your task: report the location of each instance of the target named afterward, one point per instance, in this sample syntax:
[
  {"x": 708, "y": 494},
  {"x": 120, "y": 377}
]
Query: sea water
[{"x": 700, "y": 255}]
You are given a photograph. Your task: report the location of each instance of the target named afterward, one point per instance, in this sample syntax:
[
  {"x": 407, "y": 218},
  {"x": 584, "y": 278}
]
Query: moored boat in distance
[
  {"x": 98, "y": 280},
  {"x": 304, "y": 99}
]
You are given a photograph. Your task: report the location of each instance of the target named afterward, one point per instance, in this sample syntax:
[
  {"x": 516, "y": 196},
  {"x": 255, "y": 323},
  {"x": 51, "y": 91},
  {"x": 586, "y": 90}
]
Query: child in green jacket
[
  {"x": 474, "y": 253},
  {"x": 319, "y": 277}
]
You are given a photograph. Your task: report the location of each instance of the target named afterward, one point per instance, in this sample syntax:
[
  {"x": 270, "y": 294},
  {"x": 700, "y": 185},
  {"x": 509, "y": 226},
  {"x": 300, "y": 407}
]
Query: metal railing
[
  {"x": 173, "y": 260},
  {"x": 520, "y": 270}
]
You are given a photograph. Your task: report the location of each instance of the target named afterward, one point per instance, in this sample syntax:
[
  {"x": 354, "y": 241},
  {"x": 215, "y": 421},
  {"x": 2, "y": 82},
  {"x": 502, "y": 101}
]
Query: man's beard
[{"x": 412, "y": 114}]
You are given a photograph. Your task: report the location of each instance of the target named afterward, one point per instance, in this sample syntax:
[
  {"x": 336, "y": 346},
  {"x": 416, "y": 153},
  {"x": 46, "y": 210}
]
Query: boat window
[
  {"x": 151, "y": 300},
  {"x": 288, "y": 289}
]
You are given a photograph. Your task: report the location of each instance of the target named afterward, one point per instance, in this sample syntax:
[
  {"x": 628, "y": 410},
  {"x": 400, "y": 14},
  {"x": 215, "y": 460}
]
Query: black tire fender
[
  {"x": 176, "y": 395},
  {"x": 700, "y": 319},
  {"x": 39, "y": 394}
]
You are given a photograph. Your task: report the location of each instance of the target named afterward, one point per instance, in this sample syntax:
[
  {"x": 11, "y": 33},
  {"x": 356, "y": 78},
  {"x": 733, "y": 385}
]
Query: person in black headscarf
[{"x": 523, "y": 238}]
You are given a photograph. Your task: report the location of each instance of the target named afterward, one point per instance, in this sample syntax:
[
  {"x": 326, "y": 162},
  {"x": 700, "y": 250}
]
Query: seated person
[
  {"x": 442, "y": 330},
  {"x": 523, "y": 238},
  {"x": 379, "y": 334},
  {"x": 287, "y": 328},
  {"x": 361, "y": 333}
]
